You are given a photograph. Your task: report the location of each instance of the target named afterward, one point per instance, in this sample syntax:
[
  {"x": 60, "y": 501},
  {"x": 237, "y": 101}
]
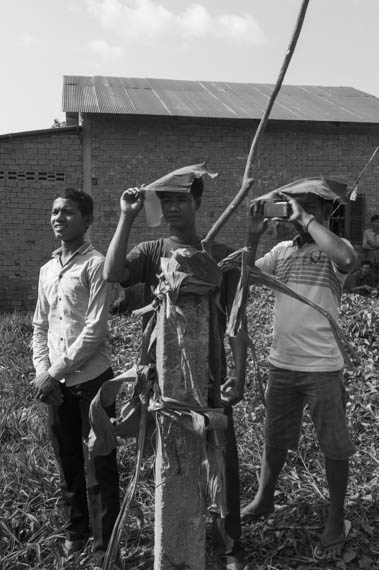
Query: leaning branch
[
  {"x": 246, "y": 183},
  {"x": 352, "y": 195}
]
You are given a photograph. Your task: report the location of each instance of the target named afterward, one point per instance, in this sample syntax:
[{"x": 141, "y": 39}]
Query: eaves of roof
[
  {"x": 41, "y": 132},
  {"x": 169, "y": 97}
]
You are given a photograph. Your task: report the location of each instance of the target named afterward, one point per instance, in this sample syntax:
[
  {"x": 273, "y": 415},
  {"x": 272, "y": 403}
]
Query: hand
[
  {"x": 43, "y": 384},
  {"x": 131, "y": 201},
  {"x": 247, "y": 184},
  {"x": 231, "y": 391},
  {"x": 257, "y": 221},
  {"x": 298, "y": 212},
  {"x": 54, "y": 398}
]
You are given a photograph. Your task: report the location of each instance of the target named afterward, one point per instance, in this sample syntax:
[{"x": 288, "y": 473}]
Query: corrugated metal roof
[{"x": 169, "y": 97}]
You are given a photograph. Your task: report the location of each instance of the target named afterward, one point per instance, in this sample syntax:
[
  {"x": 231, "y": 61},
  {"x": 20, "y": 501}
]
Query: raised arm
[
  {"x": 337, "y": 249},
  {"x": 131, "y": 203},
  {"x": 257, "y": 225}
]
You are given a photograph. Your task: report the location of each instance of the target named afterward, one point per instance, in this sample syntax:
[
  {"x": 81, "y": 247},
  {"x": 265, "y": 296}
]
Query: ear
[
  {"x": 88, "y": 220},
  {"x": 197, "y": 203},
  {"x": 328, "y": 209}
]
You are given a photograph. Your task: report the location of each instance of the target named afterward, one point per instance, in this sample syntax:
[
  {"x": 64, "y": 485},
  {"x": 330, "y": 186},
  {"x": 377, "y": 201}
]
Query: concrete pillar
[{"x": 180, "y": 510}]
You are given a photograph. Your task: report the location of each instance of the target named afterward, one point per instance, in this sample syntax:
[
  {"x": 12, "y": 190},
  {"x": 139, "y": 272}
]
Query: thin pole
[
  {"x": 354, "y": 190},
  {"x": 247, "y": 183}
]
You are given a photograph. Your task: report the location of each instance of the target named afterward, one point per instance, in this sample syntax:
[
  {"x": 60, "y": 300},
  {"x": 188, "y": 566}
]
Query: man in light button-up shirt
[
  {"x": 72, "y": 361},
  {"x": 70, "y": 321}
]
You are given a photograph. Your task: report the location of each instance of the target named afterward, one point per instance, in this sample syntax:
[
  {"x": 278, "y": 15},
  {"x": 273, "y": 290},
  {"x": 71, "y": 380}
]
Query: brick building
[
  {"x": 32, "y": 166},
  {"x": 125, "y": 132}
]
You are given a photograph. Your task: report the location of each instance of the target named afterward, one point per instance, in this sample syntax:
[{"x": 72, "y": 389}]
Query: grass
[{"x": 31, "y": 521}]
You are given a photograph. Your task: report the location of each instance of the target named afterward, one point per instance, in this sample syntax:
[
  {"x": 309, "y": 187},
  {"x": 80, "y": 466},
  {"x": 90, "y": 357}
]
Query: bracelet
[{"x": 307, "y": 220}]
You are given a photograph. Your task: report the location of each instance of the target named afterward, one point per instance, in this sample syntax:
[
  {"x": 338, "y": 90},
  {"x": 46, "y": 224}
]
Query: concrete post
[{"x": 180, "y": 510}]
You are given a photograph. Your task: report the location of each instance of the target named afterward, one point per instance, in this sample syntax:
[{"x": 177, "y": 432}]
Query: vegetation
[{"x": 31, "y": 522}]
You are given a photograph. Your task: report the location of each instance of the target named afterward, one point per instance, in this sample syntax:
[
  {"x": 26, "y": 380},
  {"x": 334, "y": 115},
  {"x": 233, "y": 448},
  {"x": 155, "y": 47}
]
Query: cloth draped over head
[
  {"x": 179, "y": 180},
  {"x": 323, "y": 187}
]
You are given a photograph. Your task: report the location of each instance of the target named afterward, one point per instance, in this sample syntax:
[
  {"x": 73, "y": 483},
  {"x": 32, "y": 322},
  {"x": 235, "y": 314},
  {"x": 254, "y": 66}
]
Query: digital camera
[{"x": 277, "y": 210}]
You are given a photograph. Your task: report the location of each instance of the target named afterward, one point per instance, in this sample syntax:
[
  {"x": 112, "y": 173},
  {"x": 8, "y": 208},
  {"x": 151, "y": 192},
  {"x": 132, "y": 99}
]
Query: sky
[{"x": 210, "y": 40}]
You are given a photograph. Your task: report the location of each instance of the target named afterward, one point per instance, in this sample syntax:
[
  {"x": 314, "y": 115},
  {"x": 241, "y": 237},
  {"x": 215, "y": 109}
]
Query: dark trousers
[
  {"x": 90, "y": 487},
  {"x": 227, "y": 531}
]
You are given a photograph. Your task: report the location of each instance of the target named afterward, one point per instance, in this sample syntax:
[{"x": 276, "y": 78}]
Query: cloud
[
  {"x": 27, "y": 40},
  {"x": 150, "y": 20},
  {"x": 105, "y": 50}
]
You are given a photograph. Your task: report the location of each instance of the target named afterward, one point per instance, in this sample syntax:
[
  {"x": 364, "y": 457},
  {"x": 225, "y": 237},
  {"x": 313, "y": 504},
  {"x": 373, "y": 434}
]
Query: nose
[{"x": 173, "y": 205}]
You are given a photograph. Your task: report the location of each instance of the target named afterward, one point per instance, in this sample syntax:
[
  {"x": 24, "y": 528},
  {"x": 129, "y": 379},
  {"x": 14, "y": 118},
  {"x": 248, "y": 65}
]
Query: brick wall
[
  {"x": 128, "y": 151},
  {"x": 135, "y": 150},
  {"x": 32, "y": 167}
]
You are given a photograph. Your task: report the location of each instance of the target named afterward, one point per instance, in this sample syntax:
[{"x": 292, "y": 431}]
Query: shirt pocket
[{"x": 74, "y": 290}]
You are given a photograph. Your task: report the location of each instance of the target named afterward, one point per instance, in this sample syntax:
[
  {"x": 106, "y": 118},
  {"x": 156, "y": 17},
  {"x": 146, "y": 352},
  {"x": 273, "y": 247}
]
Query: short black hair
[
  {"x": 197, "y": 188},
  {"x": 325, "y": 203},
  {"x": 375, "y": 217},
  {"x": 82, "y": 199}
]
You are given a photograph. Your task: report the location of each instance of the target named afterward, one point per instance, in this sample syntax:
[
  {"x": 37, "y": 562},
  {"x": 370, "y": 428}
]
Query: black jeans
[{"x": 90, "y": 487}]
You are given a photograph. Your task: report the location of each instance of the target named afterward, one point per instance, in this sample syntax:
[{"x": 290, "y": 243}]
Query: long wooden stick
[
  {"x": 246, "y": 183},
  {"x": 352, "y": 195}
]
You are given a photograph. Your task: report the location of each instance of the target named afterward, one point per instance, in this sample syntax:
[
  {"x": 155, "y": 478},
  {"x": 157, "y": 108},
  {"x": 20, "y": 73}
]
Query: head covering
[
  {"x": 320, "y": 186},
  {"x": 179, "y": 180}
]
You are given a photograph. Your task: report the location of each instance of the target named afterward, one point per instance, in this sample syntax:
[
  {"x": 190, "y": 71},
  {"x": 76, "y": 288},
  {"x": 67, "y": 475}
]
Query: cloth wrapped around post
[{"x": 187, "y": 272}]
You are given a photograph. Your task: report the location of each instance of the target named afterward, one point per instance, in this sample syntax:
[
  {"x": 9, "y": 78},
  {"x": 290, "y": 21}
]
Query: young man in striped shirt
[{"x": 305, "y": 361}]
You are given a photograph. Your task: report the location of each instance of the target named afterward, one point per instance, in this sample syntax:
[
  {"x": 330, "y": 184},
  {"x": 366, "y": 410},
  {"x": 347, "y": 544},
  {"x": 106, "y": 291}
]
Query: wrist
[
  {"x": 253, "y": 238},
  {"x": 238, "y": 378},
  {"x": 306, "y": 220},
  {"x": 127, "y": 216},
  {"x": 55, "y": 374}
]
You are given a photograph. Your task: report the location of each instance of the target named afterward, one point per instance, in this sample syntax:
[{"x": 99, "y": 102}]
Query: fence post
[{"x": 180, "y": 510}]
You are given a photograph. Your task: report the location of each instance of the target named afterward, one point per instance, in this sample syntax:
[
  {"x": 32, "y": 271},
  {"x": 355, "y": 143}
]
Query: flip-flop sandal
[{"x": 333, "y": 547}]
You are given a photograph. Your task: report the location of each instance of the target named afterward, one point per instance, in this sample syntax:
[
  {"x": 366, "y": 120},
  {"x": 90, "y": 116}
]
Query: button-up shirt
[{"x": 70, "y": 320}]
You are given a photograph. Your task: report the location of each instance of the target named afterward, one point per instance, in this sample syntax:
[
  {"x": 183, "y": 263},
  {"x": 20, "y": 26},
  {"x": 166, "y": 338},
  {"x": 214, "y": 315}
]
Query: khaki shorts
[{"x": 289, "y": 391}]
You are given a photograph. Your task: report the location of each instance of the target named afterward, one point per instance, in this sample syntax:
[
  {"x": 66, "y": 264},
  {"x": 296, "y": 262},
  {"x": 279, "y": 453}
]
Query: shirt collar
[
  {"x": 83, "y": 249},
  {"x": 301, "y": 240}
]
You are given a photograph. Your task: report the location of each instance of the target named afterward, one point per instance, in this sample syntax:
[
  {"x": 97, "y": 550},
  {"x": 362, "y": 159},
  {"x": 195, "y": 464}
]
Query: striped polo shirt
[{"x": 302, "y": 337}]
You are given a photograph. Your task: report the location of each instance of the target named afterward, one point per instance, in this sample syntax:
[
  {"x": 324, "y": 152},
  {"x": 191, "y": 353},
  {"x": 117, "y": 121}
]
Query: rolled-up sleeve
[{"x": 267, "y": 263}]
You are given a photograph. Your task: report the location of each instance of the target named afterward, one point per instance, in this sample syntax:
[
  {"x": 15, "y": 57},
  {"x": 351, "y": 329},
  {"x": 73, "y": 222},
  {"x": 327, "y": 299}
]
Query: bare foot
[
  {"x": 256, "y": 509},
  {"x": 332, "y": 540}
]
